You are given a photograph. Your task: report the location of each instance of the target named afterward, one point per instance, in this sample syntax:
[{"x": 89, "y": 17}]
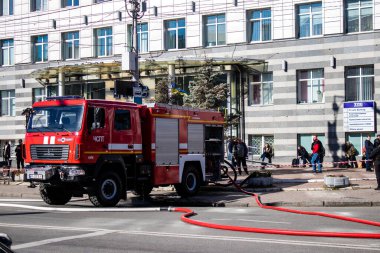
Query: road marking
[
  {"x": 20, "y": 200},
  {"x": 262, "y": 221},
  {"x": 59, "y": 239},
  {"x": 99, "y": 231}
]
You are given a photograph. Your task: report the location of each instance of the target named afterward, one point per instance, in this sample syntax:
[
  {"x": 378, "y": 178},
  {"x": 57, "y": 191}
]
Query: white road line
[
  {"x": 20, "y": 200},
  {"x": 262, "y": 221},
  {"x": 99, "y": 231},
  {"x": 59, "y": 239}
]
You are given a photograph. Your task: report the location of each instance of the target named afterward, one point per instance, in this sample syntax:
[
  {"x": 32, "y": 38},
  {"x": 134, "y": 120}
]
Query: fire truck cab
[{"x": 104, "y": 148}]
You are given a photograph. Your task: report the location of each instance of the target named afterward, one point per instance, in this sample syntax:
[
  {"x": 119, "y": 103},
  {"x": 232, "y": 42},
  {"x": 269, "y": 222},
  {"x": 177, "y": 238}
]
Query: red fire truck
[{"x": 104, "y": 148}]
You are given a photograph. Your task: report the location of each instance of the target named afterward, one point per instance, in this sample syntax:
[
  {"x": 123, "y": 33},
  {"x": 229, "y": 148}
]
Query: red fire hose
[{"x": 189, "y": 213}]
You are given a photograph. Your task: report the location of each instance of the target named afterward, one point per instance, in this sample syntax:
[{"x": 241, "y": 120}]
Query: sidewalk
[{"x": 292, "y": 187}]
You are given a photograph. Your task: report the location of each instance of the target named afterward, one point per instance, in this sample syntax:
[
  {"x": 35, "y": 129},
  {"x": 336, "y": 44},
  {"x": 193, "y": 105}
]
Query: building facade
[{"x": 291, "y": 65}]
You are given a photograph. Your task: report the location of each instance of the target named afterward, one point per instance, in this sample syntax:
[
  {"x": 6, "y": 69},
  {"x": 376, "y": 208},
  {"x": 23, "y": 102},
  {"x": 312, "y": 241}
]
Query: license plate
[{"x": 36, "y": 176}]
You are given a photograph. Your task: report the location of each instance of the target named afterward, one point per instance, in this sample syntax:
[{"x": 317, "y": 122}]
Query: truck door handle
[{"x": 130, "y": 145}]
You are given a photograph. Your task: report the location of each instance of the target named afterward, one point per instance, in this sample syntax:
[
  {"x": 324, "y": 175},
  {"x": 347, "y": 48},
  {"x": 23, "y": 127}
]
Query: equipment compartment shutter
[
  {"x": 166, "y": 141},
  {"x": 195, "y": 138}
]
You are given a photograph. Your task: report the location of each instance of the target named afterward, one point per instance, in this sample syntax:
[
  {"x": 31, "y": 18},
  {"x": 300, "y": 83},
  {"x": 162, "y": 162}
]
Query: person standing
[
  {"x": 316, "y": 148},
  {"x": 368, "y": 150},
  {"x": 7, "y": 153},
  {"x": 230, "y": 155},
  {"x": 19, "y": 158},
  {"x": 375, "y": 156},
  {"x": 240, "y": 151},
  {"x": 376, "y": 142}
]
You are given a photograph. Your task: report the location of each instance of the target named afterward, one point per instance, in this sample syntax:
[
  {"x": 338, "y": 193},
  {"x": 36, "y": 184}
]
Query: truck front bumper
[{"x": 43, "y": 173}]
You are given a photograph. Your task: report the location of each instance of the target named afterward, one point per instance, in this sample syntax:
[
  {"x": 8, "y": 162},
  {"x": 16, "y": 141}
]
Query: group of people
[
  {"x": 18, "y": 151},
  {"x": 239, "y": 153}
]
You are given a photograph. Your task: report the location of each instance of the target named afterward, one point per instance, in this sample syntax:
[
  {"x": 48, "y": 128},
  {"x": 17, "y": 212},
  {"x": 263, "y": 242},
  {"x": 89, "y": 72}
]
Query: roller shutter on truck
[
  {"x": 195, "y": 138},
  {"x": 167, "y": 140}
]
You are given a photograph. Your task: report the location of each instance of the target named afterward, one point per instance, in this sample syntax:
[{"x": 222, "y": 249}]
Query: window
[
  {"x": 261, "y": 89},
  {"x": 122, "y": 120},
  {"x": 96, "y": 91},
  {"x": 142, "y": 37},
  {"x": 70, "y": 45},
  {"x": 215, "y": 27},
  {"x": 260, "y": 25},
  {"x": 175, "y": 34},
  {"x": 8, "y": 107},
  {"x": 40, "y": 48},
  {"x": 359, "y": 16},
  {"x": 68, "y": 3},
  {"x": 6, "y": 7},
  {"x": 100, "y": 1},
  {"x": 306, "y": 140},
  {"x": 7, "y": 52},
  {"x": 358, "y": 139},
  {"x": 38, "y": 94},
  {"x": 309, "y": 20},
  {"x": 311, "y": 86},
  {"x": 52, "y": 91},
  {"x": 38, "y": 5},
  {"x": 95, "y": 118},
  {"x": 103, "y": 41},
  {"x": 359, "y": 83},
  {"x": 257, "y": 142}
]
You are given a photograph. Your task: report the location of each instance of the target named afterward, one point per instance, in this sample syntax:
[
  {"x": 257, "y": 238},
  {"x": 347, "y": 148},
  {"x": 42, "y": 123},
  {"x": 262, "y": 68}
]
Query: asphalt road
[{"x": 34, "y": 230}]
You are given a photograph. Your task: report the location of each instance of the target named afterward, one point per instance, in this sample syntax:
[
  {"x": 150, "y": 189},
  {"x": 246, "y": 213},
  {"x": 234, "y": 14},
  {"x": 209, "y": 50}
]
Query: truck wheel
[
  {"x": 54, "y": 195},
  {"x": 107, "y": 191},
  {"x": 142, "y": 189},
  {"x": 191, "y": 182}
]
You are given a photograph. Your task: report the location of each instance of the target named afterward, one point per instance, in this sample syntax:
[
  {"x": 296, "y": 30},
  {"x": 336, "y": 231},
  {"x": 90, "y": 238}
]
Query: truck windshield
[{"x": 56, "y": 119}]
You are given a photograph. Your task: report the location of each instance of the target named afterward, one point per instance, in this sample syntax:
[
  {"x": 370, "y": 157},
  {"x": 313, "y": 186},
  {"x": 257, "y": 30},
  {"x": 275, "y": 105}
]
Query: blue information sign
[{"x": 359, "y": 116}]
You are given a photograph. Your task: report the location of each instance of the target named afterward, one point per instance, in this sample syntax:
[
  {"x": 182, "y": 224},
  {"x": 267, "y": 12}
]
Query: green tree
[
  {"x": 162, "y": 91},
  {"x": 206, "y": 91}
]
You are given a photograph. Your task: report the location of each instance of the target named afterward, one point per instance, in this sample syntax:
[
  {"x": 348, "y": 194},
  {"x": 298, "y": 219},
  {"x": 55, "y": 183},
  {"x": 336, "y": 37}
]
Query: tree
[
  {"x": 206, "y": 91},
  {"x": 162, "y": 91}
]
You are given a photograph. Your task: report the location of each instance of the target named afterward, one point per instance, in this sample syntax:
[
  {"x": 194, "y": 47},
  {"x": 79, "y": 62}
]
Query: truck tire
[
  {"x": 191, "y": 181},
  {"x": 107, "y": 191},
  {"x": 142, "y": 189},
  {"x": 54, "y": 195}
]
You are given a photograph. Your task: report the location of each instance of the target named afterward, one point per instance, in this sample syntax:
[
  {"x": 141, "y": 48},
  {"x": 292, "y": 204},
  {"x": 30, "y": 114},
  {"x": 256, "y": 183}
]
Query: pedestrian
[
  {"x": 240, "y": 151},
  {"x": 317, "y": 154},
  {"x": 230, "y": 155},
  {"x": 19, "y": 158},
  {"x": 351, "y": 154},
  {"x": 375, "y": 156},
  {"x": 376, "y": 142},
  {"x": 368, "y": 150},
  {"x": 303, "y": 154},
  {"x": 7, "y": 153},
  {"x": 267, "y": 153}
]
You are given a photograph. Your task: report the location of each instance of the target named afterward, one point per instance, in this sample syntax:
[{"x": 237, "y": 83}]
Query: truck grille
[{"x": 49, "y": 152}]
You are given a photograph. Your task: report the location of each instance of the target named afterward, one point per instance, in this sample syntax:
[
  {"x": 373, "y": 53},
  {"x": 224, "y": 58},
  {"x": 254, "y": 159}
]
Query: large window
[
  {"x": 175, "y": 34},
  {"x": 38, "y": 94},
  {"x": 257, "y": 142},
  {"x": 261, "y": 89},
  {"x": 70, "y": 45},
  {"x": 142, "y": 37},
  {"x": 215, "y": 29},
  {"x": 359, "y": 83},
  {"x": 38, "y": 5},
  {"x": 359, "y": 15},
  {"x": 306, "y": 140},
  {"x": 68, "y": 3},
  {"x": 96, "y": 90},
  {"x": 311, "y": 86},
  {"x": 122, "y": 120},
  {"x": 7, "y": 52},
  {"x": 40, "y": 48},
  {"x": 8, "y": 107},
  {"x": 309, "y": 20},
  {"x": 103, "y": 38},
  {"x": 6, "y": 7},
  {"x": 260, "y": 25}
]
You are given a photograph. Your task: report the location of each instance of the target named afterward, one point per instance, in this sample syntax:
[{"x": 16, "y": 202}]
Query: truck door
[
  {"x": 122, "y": 131},
  {"x": 98, "y": 133}
]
